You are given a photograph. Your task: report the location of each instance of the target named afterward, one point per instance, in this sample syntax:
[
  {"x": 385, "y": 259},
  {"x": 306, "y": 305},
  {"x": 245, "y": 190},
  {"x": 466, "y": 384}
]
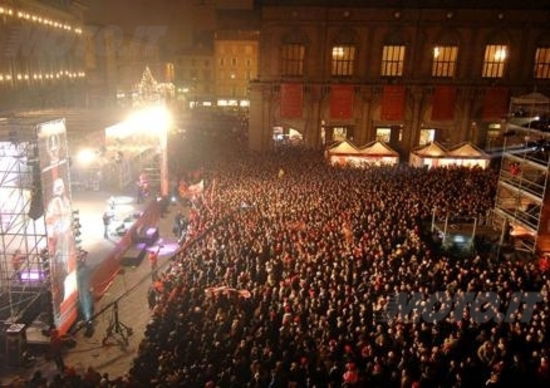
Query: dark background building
[{"x": 405, "y": 72}]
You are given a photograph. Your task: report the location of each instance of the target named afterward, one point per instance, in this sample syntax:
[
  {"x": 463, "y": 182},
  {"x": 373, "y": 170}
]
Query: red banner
[
  {"x": 443, "y": 105},
  {"x": 292, "y": 101},
  {"x": 341, "y": 102},
  {"x": 495, "y": 104},
  {"x": 393, "y": 103}
]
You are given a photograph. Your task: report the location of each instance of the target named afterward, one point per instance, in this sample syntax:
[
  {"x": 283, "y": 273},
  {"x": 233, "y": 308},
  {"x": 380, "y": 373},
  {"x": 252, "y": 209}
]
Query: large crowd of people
[
  {"x": 290, "y": 264},
  {"x": 290, "y": 269}
]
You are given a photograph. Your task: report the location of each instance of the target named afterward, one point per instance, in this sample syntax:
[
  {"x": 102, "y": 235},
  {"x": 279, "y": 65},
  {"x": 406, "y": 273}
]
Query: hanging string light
[
  {"x": 64, "y": 74},
  {"x": 38, "y": 19}
]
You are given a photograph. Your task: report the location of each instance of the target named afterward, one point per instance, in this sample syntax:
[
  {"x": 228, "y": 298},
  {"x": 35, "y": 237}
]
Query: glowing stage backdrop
[{"x": 56, "y": 192}]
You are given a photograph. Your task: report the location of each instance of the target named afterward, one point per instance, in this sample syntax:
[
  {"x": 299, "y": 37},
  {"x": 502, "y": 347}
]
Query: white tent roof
[
  {"x": 378, "y": 148},
  {"x": 530, "y": 99},
  {"x": 468, "y": 150},
  {"x": 344, "y": 147},
  {"x": 432, "y": 150}
]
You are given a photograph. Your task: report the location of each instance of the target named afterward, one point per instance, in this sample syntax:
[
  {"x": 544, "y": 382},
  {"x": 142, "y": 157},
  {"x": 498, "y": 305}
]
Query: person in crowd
[
  {"x": 322, "y": 252},
  {"x": 293, "y": 289}
]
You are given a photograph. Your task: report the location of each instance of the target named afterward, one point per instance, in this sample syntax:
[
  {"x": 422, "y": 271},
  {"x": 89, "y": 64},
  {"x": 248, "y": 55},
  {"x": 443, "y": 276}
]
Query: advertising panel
[{"x": 56, "y": 195}]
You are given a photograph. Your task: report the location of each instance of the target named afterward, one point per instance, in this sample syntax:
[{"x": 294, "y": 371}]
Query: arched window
[
  {"x": 343, "y": 60},
  {"x": 542, "y": 62},
  {"x": 496, "y": 55},
  {"x": 494, "y": 60},
  {"x": 393, "y": 56},
  {"x": 444, "y": 60},
  {"x": 292, "y": 59},
  {"x": 445, "y": 54},
  {"x": 343, "y": 54},
  {"x": 293, "y": 53}
]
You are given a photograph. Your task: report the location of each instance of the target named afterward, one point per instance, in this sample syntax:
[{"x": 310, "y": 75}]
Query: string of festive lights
[
  {"x": 34, "y": 18},
  {"x": 42, "y": 76}
]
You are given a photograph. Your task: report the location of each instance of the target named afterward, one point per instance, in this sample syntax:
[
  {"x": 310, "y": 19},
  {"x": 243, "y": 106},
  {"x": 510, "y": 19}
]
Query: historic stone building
[
  {"x": 403, "y": 72},
  {"x": 236, "y": 62},
  {"x": 42, "y": 62}
]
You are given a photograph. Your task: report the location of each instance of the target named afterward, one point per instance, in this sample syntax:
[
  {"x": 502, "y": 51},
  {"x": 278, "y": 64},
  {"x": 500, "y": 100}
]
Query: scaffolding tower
[
  {"x": 522, "y": 206},
  {"x": 23, "y": 240}
]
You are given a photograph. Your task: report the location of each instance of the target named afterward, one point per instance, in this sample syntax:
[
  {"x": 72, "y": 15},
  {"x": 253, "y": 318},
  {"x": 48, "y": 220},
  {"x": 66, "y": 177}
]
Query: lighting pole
[{"x": 163, "y": 140}]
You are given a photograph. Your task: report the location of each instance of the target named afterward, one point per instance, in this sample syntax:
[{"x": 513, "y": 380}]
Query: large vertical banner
[
  {"x": 56, "y": 194},
  {"x": 495, "y": 103},
  {"x": 292, "y": 101},
  {"x": 443, "y": 105},
  {"x": 341, "y": 102},
  {"x": 393, "y": 103}
]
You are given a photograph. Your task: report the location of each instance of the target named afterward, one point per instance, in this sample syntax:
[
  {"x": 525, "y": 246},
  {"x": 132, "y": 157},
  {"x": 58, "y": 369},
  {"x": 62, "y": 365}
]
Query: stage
[{"x": 91, "y": 206}]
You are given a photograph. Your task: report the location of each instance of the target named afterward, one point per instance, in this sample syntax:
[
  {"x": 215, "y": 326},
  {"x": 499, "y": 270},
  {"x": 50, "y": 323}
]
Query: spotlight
[{"x": 86, "y": 157}]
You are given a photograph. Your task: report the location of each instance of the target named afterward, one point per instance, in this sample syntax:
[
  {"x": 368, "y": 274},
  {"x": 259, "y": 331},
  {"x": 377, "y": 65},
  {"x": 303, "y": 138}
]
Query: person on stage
[{"x": 106, "y": 222}]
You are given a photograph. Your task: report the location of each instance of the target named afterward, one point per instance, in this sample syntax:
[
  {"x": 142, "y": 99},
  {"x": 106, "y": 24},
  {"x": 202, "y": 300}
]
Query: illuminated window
[
  {"x": 494, "y": 60},
  {"x": 444, "y": 63},
  {"x": 339, "y": 133},
  {"x": 393, "y": 60},
  {"x": 292, "y": 56},
  {"x": 343, "y": 58},
  {"x": 383, "y": 135},
  {"x": 542, "y": 63},
  {"x": 426, "y": 136}
]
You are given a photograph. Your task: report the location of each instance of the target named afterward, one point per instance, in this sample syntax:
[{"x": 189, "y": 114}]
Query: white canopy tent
[
  {"x": 378, "y": 153},
  {"x": 428, "y": 155},
  {"x": 531, "y": 99},
  {"x": 467, "y": 155},
  {"x": 342, "y": 154}
]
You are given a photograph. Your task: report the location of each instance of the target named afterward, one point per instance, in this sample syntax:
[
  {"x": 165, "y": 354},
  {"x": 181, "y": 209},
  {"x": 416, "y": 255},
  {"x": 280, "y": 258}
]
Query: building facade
[
  {"x": 194, "y": 69},
  {"x": 406, "y": 76},
  {"x": 42, "y": 62},
  {"x": 236, "y": 63}
]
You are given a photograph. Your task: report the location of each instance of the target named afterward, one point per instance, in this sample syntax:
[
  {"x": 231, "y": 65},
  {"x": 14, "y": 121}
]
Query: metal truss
[{"x": 24, "y": 267}]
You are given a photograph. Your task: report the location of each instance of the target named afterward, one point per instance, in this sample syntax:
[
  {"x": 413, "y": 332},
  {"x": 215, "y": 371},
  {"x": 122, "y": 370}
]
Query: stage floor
[
  {"x": 91, "y": 206},
  {"x": 133, "y": 311}
]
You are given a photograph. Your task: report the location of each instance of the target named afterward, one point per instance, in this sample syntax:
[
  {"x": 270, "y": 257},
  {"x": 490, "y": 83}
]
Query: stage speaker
[
  {"x": 148, "y": 235},
  {"x": 36, "y": 209}
]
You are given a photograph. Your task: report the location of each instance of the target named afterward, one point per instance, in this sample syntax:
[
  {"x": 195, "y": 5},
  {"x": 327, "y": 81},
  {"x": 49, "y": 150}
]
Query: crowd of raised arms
[{"x": 309, "y": 255}]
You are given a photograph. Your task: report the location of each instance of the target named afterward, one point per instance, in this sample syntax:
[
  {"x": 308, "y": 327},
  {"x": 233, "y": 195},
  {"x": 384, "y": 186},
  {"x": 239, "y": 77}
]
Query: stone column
[
  {"x": 365, "y": 123},
  {"x": 256, "y": 120},
  {"x": 412, "y": 123}
]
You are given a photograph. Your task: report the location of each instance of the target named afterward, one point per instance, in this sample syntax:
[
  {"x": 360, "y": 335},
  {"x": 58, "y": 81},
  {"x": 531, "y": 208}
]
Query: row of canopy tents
[
  {"x": 435, "y": 155},
  {"x": 347, "y": 154},
  {"x": 430, "y": 155}
]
